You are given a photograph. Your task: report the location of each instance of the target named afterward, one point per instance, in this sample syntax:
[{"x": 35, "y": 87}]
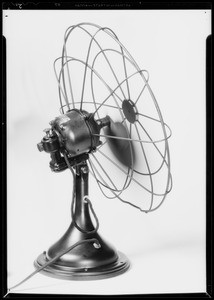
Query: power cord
[{"x": 95, "y": 242}]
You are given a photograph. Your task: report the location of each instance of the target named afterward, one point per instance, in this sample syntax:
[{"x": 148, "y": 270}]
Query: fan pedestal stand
[{"x": 87, "y": 261}]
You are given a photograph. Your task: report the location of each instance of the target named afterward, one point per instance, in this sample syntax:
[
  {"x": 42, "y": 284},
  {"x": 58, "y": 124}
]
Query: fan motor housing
[{"x": 75, "y": 131}]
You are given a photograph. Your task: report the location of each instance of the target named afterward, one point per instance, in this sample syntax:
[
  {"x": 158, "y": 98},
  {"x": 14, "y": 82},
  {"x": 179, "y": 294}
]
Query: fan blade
[{"x": 122, "y": 149}]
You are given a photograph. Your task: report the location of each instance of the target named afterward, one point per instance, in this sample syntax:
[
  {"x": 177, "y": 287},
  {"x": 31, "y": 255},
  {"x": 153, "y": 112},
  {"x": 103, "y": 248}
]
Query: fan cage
[{"x": 93, "y": 83}]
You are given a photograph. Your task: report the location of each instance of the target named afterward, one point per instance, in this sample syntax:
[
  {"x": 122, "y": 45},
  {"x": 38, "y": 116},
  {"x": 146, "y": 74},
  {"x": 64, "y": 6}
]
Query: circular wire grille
[{"x": 96, "y": 73}]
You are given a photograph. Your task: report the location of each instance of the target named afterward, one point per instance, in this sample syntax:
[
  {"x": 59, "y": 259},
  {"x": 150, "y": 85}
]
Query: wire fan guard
[{"x": 97, "y": 74}]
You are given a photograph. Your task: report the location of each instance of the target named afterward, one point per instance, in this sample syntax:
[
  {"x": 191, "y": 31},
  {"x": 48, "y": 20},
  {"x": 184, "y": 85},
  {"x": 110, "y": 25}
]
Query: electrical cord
[
  {"x": 85, "y": 198},
  {"x": 55, "y": 258},
  {"x": 95, "y": 242}
]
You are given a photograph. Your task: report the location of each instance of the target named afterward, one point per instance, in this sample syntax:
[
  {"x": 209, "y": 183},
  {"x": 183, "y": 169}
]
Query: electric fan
[{"x": 110, "y": 127}]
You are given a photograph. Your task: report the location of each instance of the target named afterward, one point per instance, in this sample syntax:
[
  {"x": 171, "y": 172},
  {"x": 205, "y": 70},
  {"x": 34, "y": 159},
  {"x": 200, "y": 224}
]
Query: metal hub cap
[{"x": 129, "y": 110}]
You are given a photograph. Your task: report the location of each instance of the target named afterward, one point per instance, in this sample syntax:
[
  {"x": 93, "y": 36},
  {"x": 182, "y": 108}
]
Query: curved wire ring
[{"x": 151, "y": 140}]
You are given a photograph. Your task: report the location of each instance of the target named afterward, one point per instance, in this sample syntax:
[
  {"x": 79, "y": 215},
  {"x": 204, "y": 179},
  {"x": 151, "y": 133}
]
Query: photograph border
[{"x": 209, "y": 141}]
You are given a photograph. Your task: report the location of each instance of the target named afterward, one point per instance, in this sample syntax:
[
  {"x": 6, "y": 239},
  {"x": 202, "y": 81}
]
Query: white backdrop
[{"x": 167, "y": 247}]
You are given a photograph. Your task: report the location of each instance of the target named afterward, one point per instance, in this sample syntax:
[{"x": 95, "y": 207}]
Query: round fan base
[{"x": 120, "y": 266}]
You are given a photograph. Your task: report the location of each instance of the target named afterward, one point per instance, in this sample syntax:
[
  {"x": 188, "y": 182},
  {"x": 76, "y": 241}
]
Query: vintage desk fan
[{"x": 110, "y": 127}]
